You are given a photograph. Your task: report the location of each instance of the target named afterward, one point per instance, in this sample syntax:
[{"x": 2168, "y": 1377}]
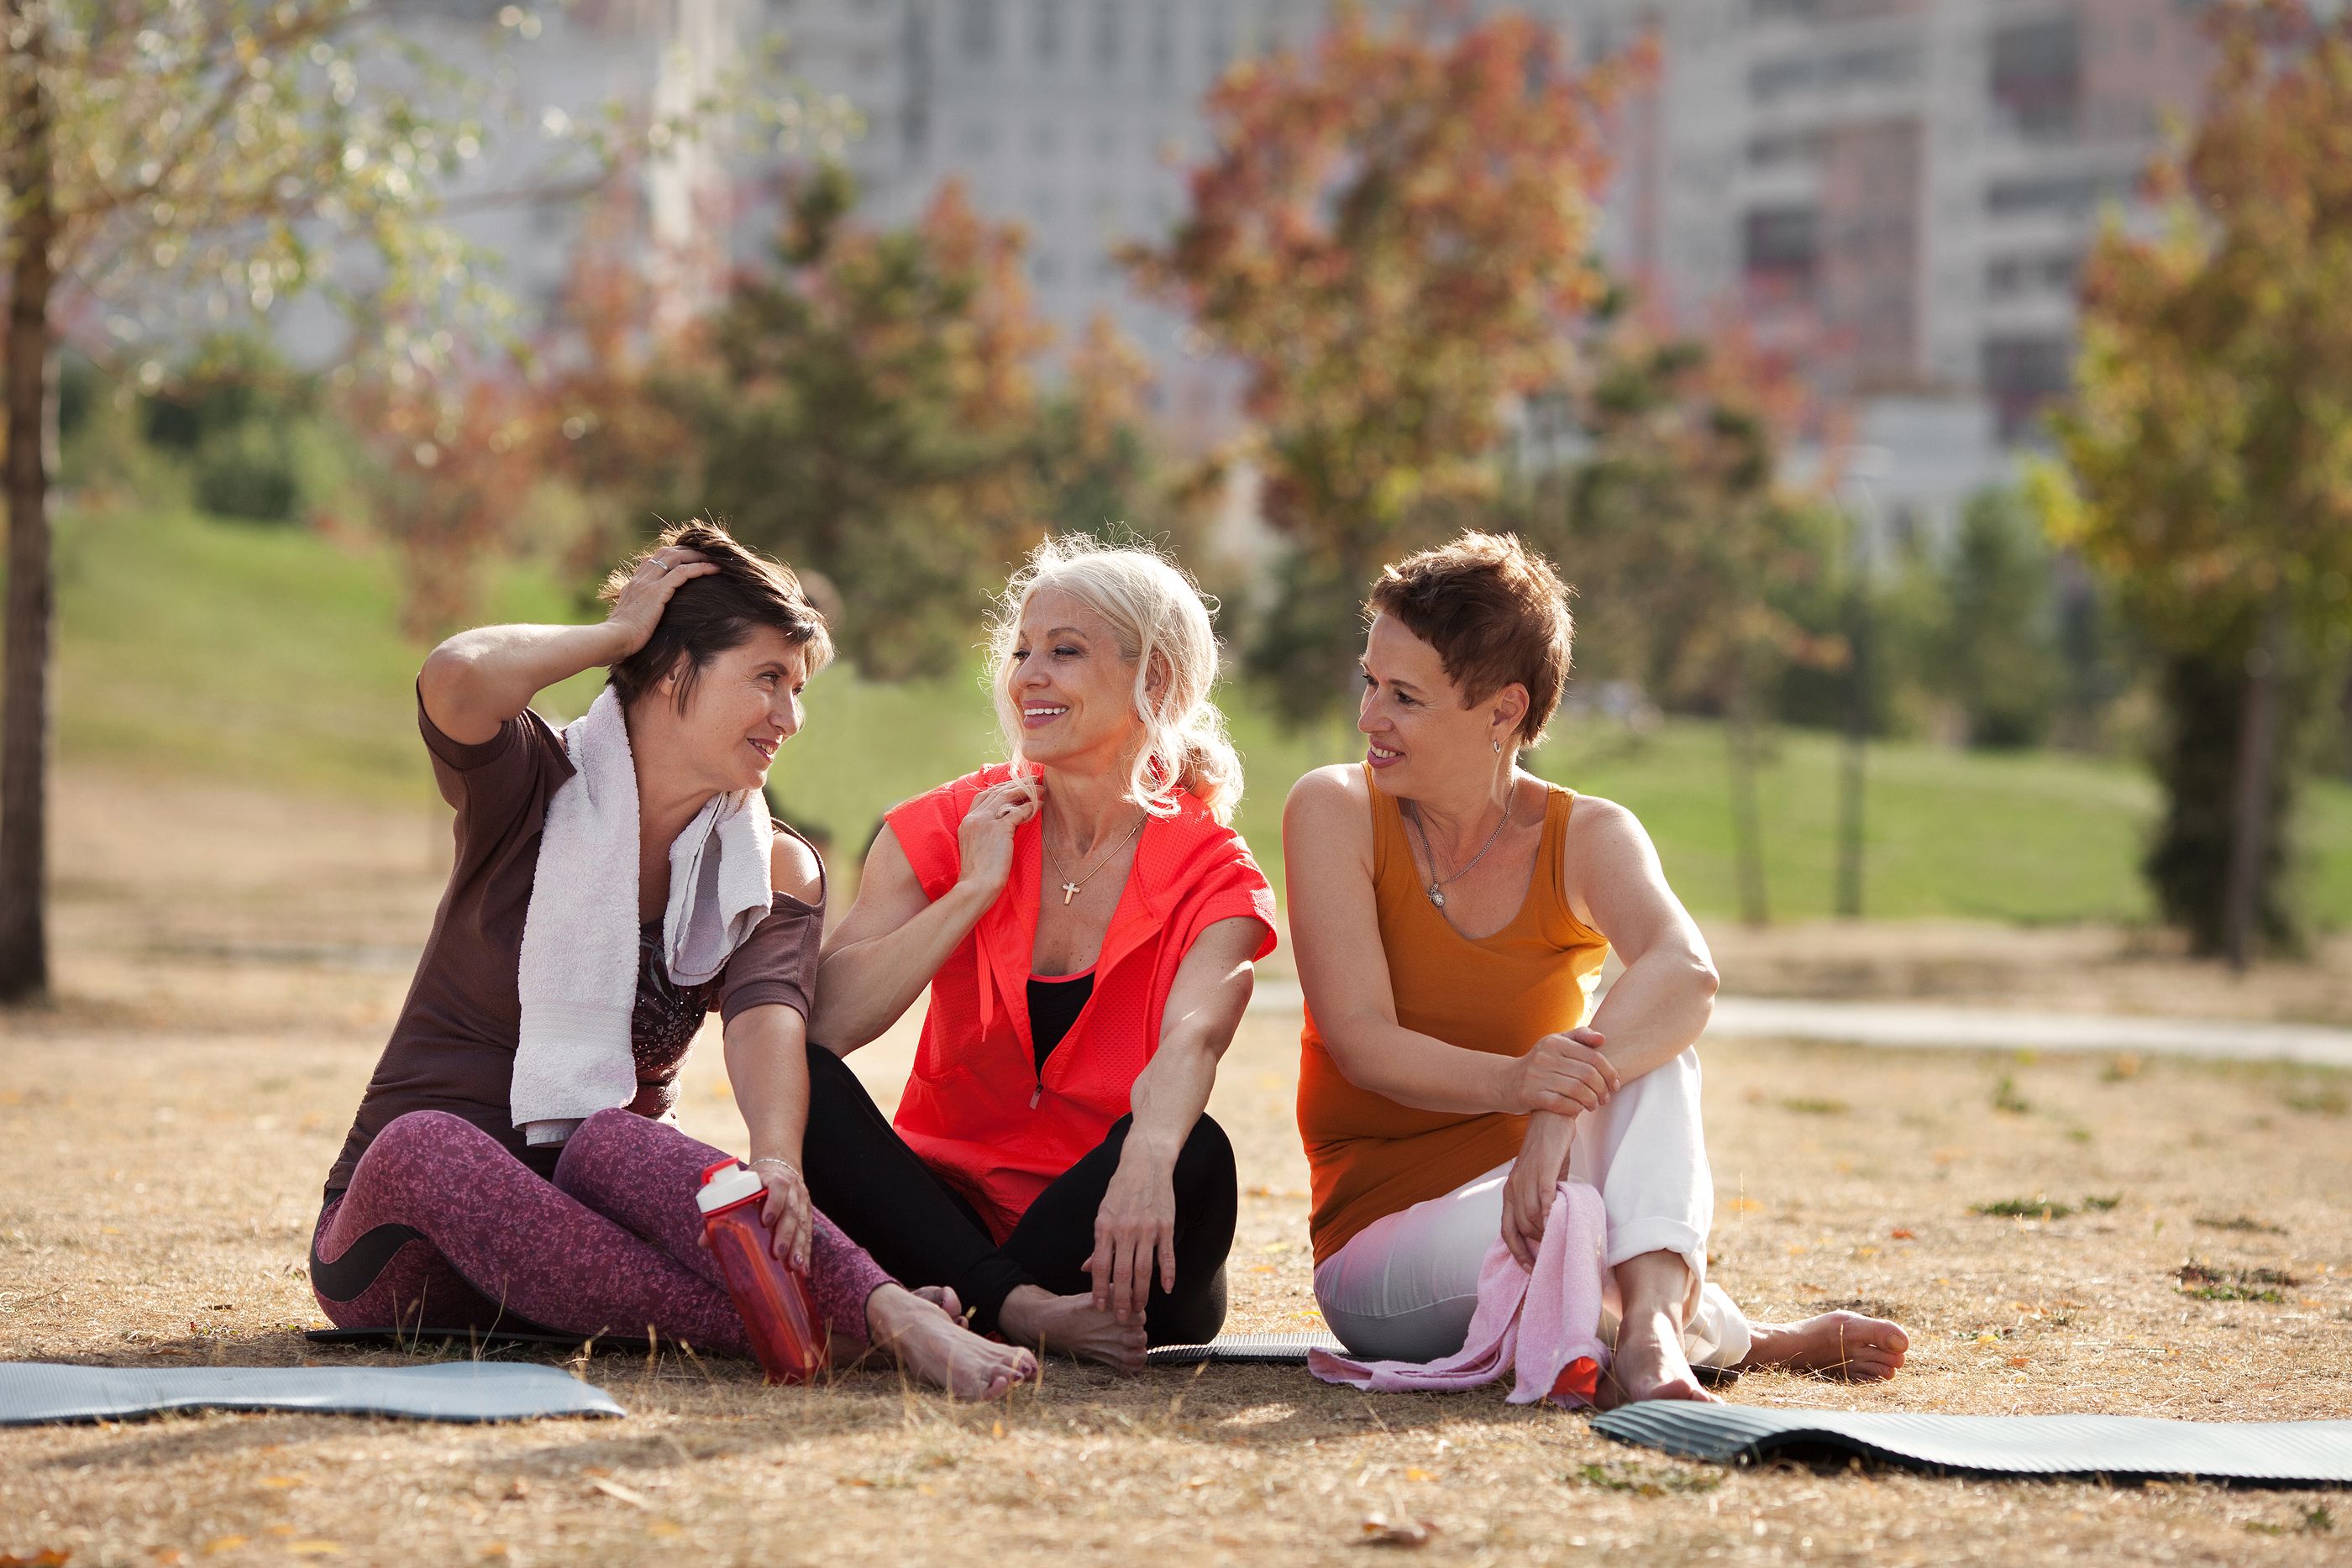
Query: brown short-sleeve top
[{"x": 453, "y": 1046}]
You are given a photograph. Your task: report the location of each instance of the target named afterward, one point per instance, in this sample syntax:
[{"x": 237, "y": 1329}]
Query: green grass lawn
[{"x": 271, "y": 655}]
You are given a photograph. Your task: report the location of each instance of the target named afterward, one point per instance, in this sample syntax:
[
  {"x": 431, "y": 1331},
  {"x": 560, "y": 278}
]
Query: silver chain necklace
[{"x": 1436, "y": 888}]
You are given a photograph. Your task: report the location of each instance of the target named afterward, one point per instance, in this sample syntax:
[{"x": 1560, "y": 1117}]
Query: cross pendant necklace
[{"x": 1071, "y": 890}]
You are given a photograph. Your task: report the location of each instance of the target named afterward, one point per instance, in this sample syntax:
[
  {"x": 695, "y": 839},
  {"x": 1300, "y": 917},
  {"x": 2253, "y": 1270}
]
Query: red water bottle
[{"x": 767, "y": 1290}]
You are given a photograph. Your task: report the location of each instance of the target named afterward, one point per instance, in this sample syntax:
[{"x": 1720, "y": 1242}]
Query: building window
[
  {"x": 976, "y": 30},
  {"x": 1780, "y": 248},
  {"x": 2071, "y": 195},
  {"x": 2023, "y": 375},
  {"x": 1046, "y": 42},
  {"x": 1108, "y": 42},
  {"x": 2037, "y": 76},
  {"x": 1784, "y": 147},
  {"x": 1218, "y": 33},
  {"x": 1163, "y": 40}
]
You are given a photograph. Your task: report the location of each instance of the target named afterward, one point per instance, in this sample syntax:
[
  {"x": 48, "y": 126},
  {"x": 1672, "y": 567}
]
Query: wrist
[
  {"x": 773, "y": 1153},
  {"x": 1503, "y": 1084},
  {"x": 1151, "y": 1154}
]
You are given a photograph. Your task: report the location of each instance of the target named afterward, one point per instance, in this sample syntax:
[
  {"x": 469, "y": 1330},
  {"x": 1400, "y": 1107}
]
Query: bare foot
[
  {"x": 1835, "y": 1345},
  {"x": 941, "y": 1351},
  {"x": 1070, "y": 1325},
  {"x": 1649, "y": 1364}
]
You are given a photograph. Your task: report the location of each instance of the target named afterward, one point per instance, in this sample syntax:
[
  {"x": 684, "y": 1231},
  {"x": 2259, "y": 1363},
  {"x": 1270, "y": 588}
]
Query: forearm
[
  {"x": 1420, "y": 1071},
  {"x": 766, "y": 1065},
  {"x": 1658, "y": 1007},
  {"x": 1168, "y": 1097},
  {"x": 490, "y": 673},
  {"x": 863, "y": 988}
]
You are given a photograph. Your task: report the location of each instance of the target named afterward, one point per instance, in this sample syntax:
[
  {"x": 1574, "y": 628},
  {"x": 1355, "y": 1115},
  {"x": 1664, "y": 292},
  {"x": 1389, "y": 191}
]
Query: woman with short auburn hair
[
  {"x": 1452, "y": 914},
  {"x": 1088, "y": 925}
]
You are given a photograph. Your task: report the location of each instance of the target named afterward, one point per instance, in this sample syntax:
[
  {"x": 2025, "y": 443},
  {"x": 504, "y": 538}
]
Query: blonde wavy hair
[{"x": 1160, "y": 617}]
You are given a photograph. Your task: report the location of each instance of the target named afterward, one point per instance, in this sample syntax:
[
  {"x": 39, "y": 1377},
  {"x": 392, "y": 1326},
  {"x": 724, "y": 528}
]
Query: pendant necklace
[
  {"x": 1435, "y": 891},
  {"x": 1070, "y": 890}
]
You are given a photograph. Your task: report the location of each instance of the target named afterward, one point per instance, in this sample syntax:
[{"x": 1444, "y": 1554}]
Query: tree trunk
[
  {"x": 1746, "y": 822},
  {"x": 25, "y": 665},
  {"x": 2249, "y": 793}
]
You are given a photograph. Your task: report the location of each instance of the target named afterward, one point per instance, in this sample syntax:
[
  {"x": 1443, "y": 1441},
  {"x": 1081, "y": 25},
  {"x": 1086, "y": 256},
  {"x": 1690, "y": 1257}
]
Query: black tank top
[{"x": 1053, "y": 1007}]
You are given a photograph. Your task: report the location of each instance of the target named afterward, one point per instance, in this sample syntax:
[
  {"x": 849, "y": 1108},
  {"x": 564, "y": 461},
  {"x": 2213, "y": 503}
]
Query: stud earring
[{"x": 1498, "y": 748}]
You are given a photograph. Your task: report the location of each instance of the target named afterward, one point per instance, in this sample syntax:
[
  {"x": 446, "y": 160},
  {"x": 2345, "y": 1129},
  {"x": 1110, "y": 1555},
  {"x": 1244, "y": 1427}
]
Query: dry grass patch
[{"x": 163, "y": 1137}]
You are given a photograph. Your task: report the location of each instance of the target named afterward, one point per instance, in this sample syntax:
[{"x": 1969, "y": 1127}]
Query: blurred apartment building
[{"x": 1896, "y": 194}]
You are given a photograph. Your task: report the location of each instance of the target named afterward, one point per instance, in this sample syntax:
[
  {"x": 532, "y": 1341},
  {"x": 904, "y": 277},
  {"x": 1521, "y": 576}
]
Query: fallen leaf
[
  {"x": 667, "y": 1529},
  {"x": 617, "y": 1492},
  {"x": 1901, "y": 1233},
  {"x": 996, "y": 1428},
  {"x": 220, "y": 1544},
  {"x": 281, "y": 1482},
  {"x": 2019, "y": 1360},
  {"x": 518, "y": 1490},
  {"x": 47, "y": 1557},
  {"x": 1376, "y": 1531},
  {"x": 315, "y": 1548}
]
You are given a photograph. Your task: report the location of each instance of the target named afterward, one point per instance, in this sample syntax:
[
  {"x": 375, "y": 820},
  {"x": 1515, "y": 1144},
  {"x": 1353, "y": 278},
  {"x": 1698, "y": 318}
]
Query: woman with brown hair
[
  {"x": 512, "y": 1164},
  {"x": 1452, "y": 914}
]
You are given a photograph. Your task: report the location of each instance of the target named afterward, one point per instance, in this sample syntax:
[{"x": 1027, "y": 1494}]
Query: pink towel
[{"x": 1545, "y": 1325}]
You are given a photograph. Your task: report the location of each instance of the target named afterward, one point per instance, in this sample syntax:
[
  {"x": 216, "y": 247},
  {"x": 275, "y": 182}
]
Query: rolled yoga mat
[
  {"x": 1275, "y": 1349},
  {"x": 2120, "y": 1448},
  {"x": 1247, "y": 1349},
  {"x": 36, "y": 1393}
]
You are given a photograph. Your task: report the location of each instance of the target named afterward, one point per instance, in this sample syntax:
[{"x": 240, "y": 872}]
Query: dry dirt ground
[{"x": 228, "y": 964}]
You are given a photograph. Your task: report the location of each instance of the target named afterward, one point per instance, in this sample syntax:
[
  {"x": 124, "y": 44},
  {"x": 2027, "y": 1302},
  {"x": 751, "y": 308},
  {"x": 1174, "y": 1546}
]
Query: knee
[
  {"x": 592, "y": 1139},
  {"x": 427, "y": 1133},
  {"x": 1206, "y": 1163}
]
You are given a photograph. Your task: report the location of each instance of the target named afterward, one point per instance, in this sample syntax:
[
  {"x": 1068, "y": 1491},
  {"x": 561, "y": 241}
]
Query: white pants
[{"x": 1404, "y": 1287}]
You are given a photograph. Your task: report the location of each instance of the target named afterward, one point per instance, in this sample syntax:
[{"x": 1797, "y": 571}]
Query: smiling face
[
  {"x": 1071, "y": 685},
  {"x": 1425, "y": 743},
  {"x": 741, "y": 709}
]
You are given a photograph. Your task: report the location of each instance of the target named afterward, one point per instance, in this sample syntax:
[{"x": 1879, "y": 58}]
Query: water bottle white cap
[{"x": 725, "y": 1188}]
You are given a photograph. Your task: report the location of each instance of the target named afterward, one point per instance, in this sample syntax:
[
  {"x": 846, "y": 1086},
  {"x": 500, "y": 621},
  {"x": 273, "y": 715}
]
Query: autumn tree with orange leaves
[
  {"x": 2208, "y": 457},
  {"x": 1390, "y": 236}
]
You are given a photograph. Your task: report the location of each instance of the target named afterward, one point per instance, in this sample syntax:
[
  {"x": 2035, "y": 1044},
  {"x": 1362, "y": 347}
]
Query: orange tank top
[{"x": 1371, "y": 1156}]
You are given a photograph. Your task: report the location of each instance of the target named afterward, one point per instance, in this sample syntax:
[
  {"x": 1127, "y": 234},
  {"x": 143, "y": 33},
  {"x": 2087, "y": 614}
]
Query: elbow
[
  {"x": 1704, "y": 982},
  {"x": 449, "y": 672}
]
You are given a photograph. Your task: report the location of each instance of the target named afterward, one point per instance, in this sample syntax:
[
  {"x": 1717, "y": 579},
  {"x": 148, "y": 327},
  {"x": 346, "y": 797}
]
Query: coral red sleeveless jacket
[{"x": 977, "y": 1109}]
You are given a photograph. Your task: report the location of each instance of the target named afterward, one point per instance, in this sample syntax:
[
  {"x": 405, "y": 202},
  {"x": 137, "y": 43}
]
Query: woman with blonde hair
[{"x": 1087, "y": 923}]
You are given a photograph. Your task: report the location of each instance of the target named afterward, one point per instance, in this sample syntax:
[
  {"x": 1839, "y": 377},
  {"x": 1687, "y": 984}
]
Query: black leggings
[{"x": 865, "y": 1178}]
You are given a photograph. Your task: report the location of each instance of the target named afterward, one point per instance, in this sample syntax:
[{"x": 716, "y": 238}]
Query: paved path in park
[{"x": 1933, "y": 1027}]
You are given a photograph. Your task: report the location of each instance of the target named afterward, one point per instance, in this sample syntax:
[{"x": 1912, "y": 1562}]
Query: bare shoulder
[
  {"x": 1335, "y": 794},
  {"x": 793, "y": 868},
  {"x": 1601, "y": 830}
]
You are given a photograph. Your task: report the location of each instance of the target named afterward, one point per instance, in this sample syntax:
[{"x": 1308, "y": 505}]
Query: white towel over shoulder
[{"x": 577, "y": 975}]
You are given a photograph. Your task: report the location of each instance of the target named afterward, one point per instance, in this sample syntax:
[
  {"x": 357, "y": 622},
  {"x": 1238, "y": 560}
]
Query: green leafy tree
[
  {"x": 1998, "y": 654},
  {"x": 1684, "y": 548},
  {"x": 1391, "y": 238},
  {"x": 868, "y": 410},
  {"x": 166, "y": 164},
  {"x": 2209, "y": 455}
]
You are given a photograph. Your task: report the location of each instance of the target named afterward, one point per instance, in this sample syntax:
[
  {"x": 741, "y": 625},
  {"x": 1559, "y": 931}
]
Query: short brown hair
[
  {"x": 710, "y": 614},
  {"x": 1495, "y": 611}
]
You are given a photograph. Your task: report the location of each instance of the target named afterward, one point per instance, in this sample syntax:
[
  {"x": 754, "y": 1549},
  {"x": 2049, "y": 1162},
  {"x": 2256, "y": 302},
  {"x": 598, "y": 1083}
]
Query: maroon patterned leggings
[{"x": 443, "y": 1228}]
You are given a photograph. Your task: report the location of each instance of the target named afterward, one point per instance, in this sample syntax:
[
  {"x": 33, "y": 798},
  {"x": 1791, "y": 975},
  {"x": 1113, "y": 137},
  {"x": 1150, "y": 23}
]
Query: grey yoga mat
[
  {"x": 34, "y": 1392},
  {"x": 2121, "y": 1447}
]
